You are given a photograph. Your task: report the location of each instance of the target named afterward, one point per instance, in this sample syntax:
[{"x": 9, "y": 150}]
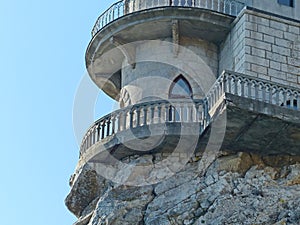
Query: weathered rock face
[{"x": 233, "y": 189}]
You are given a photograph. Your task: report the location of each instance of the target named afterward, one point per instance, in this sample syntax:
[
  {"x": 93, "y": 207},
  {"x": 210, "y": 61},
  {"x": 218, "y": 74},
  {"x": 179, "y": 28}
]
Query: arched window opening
[{"x": 180, "y": 88}]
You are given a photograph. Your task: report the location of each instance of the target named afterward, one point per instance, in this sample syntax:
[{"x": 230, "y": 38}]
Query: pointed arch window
[{"x": 180, "y": 88}]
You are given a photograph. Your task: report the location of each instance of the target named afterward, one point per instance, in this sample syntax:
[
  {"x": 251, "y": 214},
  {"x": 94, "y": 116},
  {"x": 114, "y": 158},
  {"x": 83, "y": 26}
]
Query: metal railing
[
  {"x": 191, "y": 111},
  {"x": 123, "y": 7}
]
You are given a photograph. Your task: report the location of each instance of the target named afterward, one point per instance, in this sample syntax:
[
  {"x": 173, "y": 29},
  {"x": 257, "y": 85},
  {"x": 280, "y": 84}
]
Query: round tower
[{"x": 137, "y": 43}]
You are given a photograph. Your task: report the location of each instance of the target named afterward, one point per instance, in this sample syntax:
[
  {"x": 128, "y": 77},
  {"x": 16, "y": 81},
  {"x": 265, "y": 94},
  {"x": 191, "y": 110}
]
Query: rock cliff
[{"x": 230, "y": 188}]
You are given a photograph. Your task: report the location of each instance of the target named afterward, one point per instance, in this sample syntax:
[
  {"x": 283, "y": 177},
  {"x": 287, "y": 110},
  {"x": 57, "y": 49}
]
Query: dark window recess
[
  {"x": 291, "y": 104},
  {"x": 286, "y": 2}
]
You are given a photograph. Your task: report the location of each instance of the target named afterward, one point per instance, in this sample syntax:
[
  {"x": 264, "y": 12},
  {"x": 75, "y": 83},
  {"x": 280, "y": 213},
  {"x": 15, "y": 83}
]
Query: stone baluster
[
  {"x": 181, "y": 112},
  {"x": 174, "y": 112},
  {"x": 263, "y": 90},
  {"x": 145, "y": 111},
  {"x": 276, "y": 96},
  {"x": 229, "y": 84},
  {"x": 86, "y": 142},
  {"x": 159, "y": 113},
  {"x": 210, "y": 101},
  {"x": 220, "y": 88},
  {"x": 113, "y": 13},
  {"x": 205, "y": 113},
  {"x": 125, "y": 120},
  {"x": 167, "y": 108},
  {"x": 152, "y": 110},
  {"x": 103, "y": 130},
  {"x": 88, "y": 139},
  {"x": 284, "y": 94},
  {"x": 113, "y": 124},
  {"x": 235, "y": 81},
  {"x": 270, "y": 90},
  {"x": 131, "y": 113},
  {"x": 193, "y": 3},
  {"x": 93, "y": 135},
  {"x": 119, "y": 119},
  {"x": 230, "y": 7},
  {"x": 118, "y": 9},
  {"x": 225, "y": 83},
  {"x": 242, "y": 88},
  {"x": 191, "y": 113},
  {"x": 219, "y": 6},
  {"x": 98, "y": 131},
  {"x": 249, "y": 88},
  {"x": 197, "y": 109},
  {"x": 256, "y": 85},
  {"x": 138, "y": 116},
  {"x": 290, "y": 98},
  {"x": 83, "y": 145},
  {"x": 108, "y": 122}
]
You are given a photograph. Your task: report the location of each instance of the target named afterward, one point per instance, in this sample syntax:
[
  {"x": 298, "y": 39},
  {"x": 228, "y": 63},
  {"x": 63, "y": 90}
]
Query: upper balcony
[
  {"x": 121, "y": 28},
  {"x": 124, "y": 7}
]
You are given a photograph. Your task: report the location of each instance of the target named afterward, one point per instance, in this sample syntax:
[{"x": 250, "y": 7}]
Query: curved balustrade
[
  {"x": 155, "y": 112},
  {"x": 193, "y": 111},
  {"x": 123, "y": 7}
]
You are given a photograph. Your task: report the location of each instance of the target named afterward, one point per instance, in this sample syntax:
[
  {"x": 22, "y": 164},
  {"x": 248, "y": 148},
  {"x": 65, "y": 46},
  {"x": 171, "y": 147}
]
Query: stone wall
[
  {"x": 160, "y": 62},
  {"x": 233, "y": 49},
  {"x": 264, "y": 46}
]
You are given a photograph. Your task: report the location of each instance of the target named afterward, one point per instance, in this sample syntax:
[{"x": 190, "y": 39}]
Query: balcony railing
[
  {"x": 146, "y": 114},
  {"x": 193, "y": 111},
  {"x": 253, "y": 88},
  {"x": 123, "y": 7}
]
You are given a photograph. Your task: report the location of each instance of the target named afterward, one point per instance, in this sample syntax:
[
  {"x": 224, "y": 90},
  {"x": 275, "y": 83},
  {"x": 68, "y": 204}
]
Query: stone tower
[{"x": 203, "y": 86}]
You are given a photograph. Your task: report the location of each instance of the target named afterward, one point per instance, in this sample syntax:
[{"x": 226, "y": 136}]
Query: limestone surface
[{"x": 240, "y": 188}]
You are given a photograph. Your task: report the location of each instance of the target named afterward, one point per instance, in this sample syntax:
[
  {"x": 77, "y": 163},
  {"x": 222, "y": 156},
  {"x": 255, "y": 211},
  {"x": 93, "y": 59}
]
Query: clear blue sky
[{"x": 42, "y": 47}]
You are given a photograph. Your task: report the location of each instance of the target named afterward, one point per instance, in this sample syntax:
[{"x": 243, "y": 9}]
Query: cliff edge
[{"x": 240, "y": 188}]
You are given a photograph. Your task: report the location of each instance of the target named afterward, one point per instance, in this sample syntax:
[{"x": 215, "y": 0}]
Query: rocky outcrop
[{"x": 240, "y": 188}]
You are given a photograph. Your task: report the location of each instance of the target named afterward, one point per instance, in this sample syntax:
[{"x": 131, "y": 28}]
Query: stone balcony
[
  {"x": 124, "y": 7},
  {"x": 256, "y": 115},
  {"x": 120, "y": 31}
]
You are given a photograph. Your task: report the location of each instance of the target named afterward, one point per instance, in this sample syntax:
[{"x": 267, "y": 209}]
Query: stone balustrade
[
  {"x": 191, "y": 111},
  {"x": 123, "y": 7},
  {"x": 146, "y": 114},
  {"x": 253, "y": 88}
]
